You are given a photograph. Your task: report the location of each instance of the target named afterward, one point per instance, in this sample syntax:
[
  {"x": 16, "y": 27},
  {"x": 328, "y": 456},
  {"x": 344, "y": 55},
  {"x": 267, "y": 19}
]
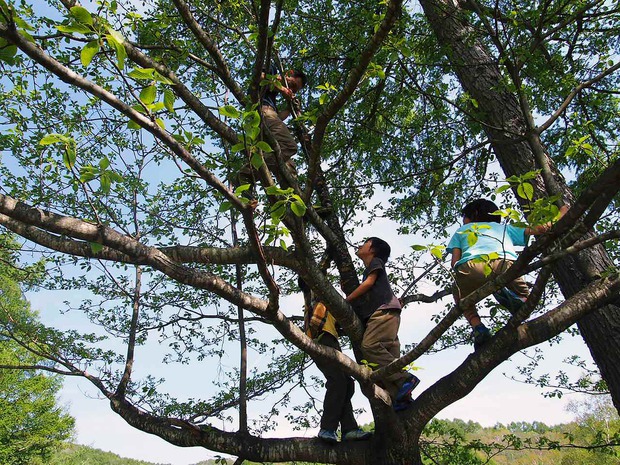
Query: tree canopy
[{"x": 124, "y": 125}]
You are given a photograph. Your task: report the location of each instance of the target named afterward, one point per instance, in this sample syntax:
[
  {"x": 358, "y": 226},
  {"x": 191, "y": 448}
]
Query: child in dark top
[
  {"x": 380, "y": 314},
  {"x": 321, "y": 326},
  {"x": 492, "y": 237}
]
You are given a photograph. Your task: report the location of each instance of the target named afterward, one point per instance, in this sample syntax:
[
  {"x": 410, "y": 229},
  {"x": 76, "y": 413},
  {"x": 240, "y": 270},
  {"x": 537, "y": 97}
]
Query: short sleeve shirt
[
  {"x": 491, "y": 238},
  {"x": 380, "y": 296}
]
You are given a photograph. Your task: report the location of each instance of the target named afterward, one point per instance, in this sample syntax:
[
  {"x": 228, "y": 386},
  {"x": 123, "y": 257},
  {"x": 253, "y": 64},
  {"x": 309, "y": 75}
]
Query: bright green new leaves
[
  {"x": 7, "y": 51},
  {"x": 169, "y": 99},
  {"x": 101, "y": 172},
  {"x": 278, "y": 210},
  {"x": 525, "y": 190},
  {"x": 250, "y": 123},
  {"x": 149, "y": 74},
  {"x": 487, "y": 259},
  {"x": 148, "y": 94},
  {"x": 89, "y": 51},
  {"x": 435, "y": 250},
  {"x": 82, "y": 15},
  {"x": 471, "y": 234},
  {"x": 87, "y": 173},
  {"x": 115, "y": 41},
  {"x": 327, "y": 89},
  {"x": 229, "y": 111},
  {"x": 69, "y": 152}
]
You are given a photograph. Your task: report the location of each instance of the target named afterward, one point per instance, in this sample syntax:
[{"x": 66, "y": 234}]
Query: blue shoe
[
  {"x": 406, "y": 388},
  {"x": 356, "y": 435},
  {"x": 481, "y": 335},
  {"x": 508, "y": 299},
  {"x": 328, "y": 435},
  {"x": 403, "y": 404}
]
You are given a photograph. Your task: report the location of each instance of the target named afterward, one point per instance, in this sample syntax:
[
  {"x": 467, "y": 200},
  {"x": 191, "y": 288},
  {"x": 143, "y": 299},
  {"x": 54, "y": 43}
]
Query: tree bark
[{"x": 515, "y": 145}]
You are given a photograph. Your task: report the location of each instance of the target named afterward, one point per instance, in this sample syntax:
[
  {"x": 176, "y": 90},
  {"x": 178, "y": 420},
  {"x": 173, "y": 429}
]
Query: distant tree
[
  {"x": 596, "y": 433},
  {"x": 32, "y": 424}
]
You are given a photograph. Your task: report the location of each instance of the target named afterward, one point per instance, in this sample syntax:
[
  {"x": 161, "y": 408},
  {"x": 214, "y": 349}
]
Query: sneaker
[
  {"x": 508, "y": 299},
  {"x": 481, "y": 335},
  {"x": 328, "y": 435},
  {"x": 407, "y": 387},
  {"x": 356, "y": 435},
  {"x": 403, "y": 404}
]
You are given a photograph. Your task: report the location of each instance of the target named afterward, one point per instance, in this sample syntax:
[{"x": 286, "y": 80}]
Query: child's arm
[
  {"x": 543, "y": 228},
  {"x": 364, "y": 287},
  {"x": 456, "y": 256}
]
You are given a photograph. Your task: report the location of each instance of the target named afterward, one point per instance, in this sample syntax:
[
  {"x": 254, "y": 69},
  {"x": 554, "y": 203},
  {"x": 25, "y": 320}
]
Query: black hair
[
  {"x": 296, "y": 73},
  {"x": 381, "y": 248},
  {"x": 480, "y": 210}
]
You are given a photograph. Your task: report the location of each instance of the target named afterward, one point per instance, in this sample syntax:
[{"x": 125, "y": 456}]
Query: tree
[
  {"x": 33, "y": 425},
  {"x": 126, "y": 121}
]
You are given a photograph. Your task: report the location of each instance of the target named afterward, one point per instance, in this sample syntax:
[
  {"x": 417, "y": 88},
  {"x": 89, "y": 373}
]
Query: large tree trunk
[{"x": 504, "y": 118}]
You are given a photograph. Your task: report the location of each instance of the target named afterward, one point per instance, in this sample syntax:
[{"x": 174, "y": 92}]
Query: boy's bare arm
[
  {"x": 364, "y": 287},
  {"x": 456, "y": 256},
  {"x": 543, "y": 228}
]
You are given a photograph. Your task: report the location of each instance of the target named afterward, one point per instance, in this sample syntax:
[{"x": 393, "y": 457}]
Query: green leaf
[
  {"x": 115, "y": 177},
  {"x": 283, "y": 244},
  {"x": 525, "y": 191},
  {"x": 142, "y": 73},
  {"x": 49, "y": 139},
  {"x": 88, "y": 173},
  {"x": 487, "y": 270},
  {"x": 225, "y": 206},
  {"x": 148, "y": 94},
  {"x": 278, "y": 210},
  {"x": 89, "y": 51},
  {"x": 119, "y": 48},
  {"x": 104, "y": 163},
  {"x": 418, "y": 247},
  {"x": 503, "y": 188},
  {"x": 74, "y": 28},
  {"x": 275, "y": 190},
  {"x": 7, "y": 53},
  {"x": 106, "y": 183},
  {"x": 264, "y": 146},
  {"x": 437, "y": 252},
  {"x": 160, "y": 122},
  {"x": 241, "y": 189},
  {"x": 229, "y": 111},
  {"x": 69, "y": 156},
  {"x": 252, "y": 132},
  {"x": 82, "y": 15},
  {"x": 169, "y": 99},
  {"x": 96, "y": 247},
  {"x": 256, "y": 160},
  {"x": 238, "y": 147},
  {"x": 159, "y": 78},
  {"x": 298, "y": 208},
  {"x": 251, "y": 119},
  {"x": 131, "y": 124}
]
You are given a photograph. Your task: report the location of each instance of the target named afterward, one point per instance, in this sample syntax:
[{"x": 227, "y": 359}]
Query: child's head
[
  {"x": 378, "y": 247},
  {"x": 479, "y": 211}
]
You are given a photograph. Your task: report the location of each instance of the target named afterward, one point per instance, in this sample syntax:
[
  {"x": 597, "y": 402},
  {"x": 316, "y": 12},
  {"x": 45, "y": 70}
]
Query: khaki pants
[
  {"x": 380, "y": 345},
  {"x": 286, "y": 141},
  {"x": 470, "y": 276}
]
